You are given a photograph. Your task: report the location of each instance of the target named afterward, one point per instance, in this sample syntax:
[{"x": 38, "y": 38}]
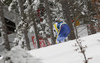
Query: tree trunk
[
  {"x": 32, "y": 16},
  {"x": 25, "y": 32},
  {"x": 4, "y": 29},
  {"x": 93, "y": 30},
  {"x": 26, "y": 39},
  {"x": 36, "y": 34},
  {"x": 50, "y": 21},
  {"x": 66, "y": 13}
]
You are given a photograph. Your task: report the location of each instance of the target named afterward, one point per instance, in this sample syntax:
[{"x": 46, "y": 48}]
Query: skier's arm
[{"x": 54, "y": 30}]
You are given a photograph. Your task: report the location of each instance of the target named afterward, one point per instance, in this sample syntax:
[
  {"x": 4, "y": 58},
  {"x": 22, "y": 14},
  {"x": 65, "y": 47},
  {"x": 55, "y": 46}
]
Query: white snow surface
[
  {"x": 19, "y": 55},
  {"x": 65, "y": 52},
  {"x": 59, "y": 53}
]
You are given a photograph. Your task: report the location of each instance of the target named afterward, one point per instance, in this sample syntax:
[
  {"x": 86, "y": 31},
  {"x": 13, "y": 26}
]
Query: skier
[{"x": 62, "y": 31}]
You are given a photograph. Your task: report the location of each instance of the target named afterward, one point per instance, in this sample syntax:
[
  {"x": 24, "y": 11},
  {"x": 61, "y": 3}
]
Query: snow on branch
[{"x": 12, "y": 5}]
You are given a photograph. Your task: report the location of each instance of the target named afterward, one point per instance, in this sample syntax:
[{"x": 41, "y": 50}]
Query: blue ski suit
[{"x": 64, "y": 31}]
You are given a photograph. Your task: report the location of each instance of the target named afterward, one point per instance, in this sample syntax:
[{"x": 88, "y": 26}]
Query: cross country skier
[{"x": 62, "y": 31}]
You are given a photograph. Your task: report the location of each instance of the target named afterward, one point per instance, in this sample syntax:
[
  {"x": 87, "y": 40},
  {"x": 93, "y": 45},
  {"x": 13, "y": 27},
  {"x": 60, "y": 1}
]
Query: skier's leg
[
  {"x": 60, "y": 38},
  {"x": 57, "y": 42}
]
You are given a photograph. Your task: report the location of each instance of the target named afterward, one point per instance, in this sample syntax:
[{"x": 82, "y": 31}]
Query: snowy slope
[
  {"x": 59, "y": 53},
  {"x": 65, "y": 52}
]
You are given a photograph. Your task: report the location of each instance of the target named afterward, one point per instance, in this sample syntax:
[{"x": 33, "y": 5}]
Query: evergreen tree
[
  {"x": 32, "y": 16},
  {"x": 84, "y": 12},
  {"x": 50, "y": 20},
  {"x": 24, "y": 31},
  {"x": 22, "y": 26}
]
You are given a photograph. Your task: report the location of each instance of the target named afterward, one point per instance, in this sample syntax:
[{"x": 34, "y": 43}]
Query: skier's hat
[{"x": 57, "y": 20}]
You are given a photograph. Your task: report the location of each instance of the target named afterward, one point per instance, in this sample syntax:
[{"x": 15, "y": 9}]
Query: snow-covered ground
[
  {"x": 65, "y": 52},
  {"x": 60, "y": 53}
]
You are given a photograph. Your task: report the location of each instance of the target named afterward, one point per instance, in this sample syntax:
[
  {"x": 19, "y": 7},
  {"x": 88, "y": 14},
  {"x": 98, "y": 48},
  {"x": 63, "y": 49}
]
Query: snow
[
  {"x": 65, "y": 52},
  {"x": 44, "y": 21},
  {"x": 36, "y": 4},
  {"x": 31, "y": 29},
  {"x": 19, "y": 55},
  {"x": 58, "y": 53},
  {"x": 83, "y": 13},
  {"x": 1, "y": 57}
]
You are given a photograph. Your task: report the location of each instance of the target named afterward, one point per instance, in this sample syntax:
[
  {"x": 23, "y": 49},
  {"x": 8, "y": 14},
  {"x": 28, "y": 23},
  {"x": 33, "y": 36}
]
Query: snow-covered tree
[
  {"x": 3, "y": 28},
  {"x": 83, "y": 11},
  {"x": 24, "y": 26},
  {"x": 32, "y": 15},
  {"x": 50, "y": 20},
  {"x": 21, "y": 28}
]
